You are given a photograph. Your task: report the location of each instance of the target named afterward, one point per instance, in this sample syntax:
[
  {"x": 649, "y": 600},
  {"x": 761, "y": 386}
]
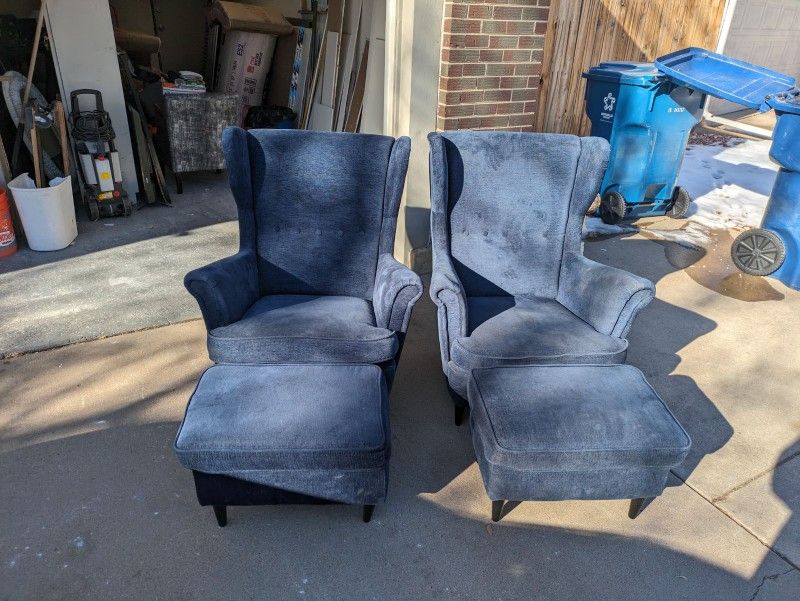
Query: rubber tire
[
  {"x": 127, "y": 207},
  {"x": 766, "y": 241},
  {"x": 94, "y": 210},
  {"x": 681, "y": 201},
  {"x": 613, "y": 208}
]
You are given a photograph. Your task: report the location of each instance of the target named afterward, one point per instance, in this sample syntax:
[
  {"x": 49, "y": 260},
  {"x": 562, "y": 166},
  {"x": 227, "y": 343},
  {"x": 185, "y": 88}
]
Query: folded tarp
[{"x": 245, "y": 17}]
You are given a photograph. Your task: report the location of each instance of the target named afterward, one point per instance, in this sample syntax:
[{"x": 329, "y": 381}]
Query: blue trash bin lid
[
  {"x": 786, "y": 102},
  {"x": 724, "y": 77},
  {"x": 637, "y": 74}
]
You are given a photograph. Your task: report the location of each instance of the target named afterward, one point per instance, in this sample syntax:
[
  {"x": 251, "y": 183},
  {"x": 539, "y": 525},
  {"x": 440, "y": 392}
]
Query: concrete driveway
[{"x": 95, "y": 505}]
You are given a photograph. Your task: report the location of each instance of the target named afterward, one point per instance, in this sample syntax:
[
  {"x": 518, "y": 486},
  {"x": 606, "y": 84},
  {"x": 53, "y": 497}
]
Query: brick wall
[{"x": 491, "y": 63}]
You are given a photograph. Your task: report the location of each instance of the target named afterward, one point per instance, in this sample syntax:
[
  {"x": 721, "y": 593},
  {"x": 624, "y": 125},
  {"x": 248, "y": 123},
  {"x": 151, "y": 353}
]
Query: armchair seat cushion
[
  {"x": 505, "y": 330},
  {"x": 283, "y": 328}
]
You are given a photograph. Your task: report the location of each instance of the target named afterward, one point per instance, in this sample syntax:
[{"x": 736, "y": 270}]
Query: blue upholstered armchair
[
  {"x": 510, "y": 280},
  {"x": 314, "y": 280}
]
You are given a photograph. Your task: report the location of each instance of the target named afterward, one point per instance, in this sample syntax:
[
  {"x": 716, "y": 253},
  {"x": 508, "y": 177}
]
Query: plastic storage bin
[
  {"x": 647, "y": 120},
  {"x": 47, "y": 214}
]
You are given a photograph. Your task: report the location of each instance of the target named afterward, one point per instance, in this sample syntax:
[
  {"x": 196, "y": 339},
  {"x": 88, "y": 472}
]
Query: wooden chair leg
[
  {"x": 637, "y": 505},
  {"x": 367, "y": 513},
  {"x": 221, "y": 513},
  {"x": 460, "y": 412},
  {"x": 497, "y": 510},
  {"x": 460, "y": 405}
]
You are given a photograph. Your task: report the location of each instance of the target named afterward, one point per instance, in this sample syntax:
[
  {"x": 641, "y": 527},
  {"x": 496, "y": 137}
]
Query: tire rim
[{"x": 757, "y": 252}]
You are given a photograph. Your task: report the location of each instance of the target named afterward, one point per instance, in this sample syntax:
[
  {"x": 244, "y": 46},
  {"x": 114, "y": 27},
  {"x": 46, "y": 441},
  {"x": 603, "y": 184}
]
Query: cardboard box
[{"x": 244, "y": 63}]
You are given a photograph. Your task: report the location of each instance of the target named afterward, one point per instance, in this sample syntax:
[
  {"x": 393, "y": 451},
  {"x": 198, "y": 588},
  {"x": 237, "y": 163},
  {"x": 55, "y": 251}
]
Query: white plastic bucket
[{"x": 47, "y": 214}]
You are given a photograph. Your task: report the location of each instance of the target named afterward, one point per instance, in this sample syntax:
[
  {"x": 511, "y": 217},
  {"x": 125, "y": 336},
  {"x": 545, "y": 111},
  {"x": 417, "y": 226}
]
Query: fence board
[{"x": 583, "y": 33}]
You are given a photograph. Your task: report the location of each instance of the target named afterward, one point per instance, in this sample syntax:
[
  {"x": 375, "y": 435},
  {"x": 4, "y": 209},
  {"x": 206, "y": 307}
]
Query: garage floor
[{"x": 120, "y": 274}]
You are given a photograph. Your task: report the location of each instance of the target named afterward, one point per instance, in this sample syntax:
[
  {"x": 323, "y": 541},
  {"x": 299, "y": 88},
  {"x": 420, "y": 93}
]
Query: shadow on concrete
[
  {"x": 206, "y": 200},
  {"x": 100, "y": 508},
  {"x": 659, "y": 333}
]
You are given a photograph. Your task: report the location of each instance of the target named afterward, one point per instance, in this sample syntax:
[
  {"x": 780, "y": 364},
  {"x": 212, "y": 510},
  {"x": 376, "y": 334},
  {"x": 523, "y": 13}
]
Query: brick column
[{"x": 491, "y": 64}]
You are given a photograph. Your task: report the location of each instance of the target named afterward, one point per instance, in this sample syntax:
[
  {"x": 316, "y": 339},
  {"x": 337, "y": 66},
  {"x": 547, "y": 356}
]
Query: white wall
[
  {"x": 413, "y": 50},
  {"x": 85, "y": 56}
]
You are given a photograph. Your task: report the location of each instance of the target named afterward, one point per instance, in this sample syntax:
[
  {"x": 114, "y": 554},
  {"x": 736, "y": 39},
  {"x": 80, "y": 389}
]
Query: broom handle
[{"x": 34, "y": 53}]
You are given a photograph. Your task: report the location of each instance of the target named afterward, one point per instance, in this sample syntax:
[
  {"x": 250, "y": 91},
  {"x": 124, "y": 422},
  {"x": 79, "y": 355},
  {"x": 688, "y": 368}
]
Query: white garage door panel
[{"x": 766, "y": 33}]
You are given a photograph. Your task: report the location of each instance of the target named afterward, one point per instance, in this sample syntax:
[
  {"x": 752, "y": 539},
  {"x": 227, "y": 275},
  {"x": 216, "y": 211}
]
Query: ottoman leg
[
  {"x": 367, "y": 512},
  {"x": 637, "y": 505},
  {"x": 497, "y": 510},
  {"x": 221, "y": 513}
]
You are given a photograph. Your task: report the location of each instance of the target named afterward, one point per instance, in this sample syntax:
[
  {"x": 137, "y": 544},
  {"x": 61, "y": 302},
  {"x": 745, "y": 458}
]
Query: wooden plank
[
  {"x": 328, "y": 84},
  {"x": 62, "y": 136},
  {"x": 313, "y": 87},
  {"x": 583, "y": 33},
  {"x": 350, "y": 30},
  {"x": 354, "y": 112},
  {"x": 372, "y": 110},
  {"x": 37, "y": 158},
  {"x": 349, "y": 44}
]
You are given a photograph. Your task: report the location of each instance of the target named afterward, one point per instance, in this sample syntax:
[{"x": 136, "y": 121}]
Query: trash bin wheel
[
  {"x": 612, "y": 208},
  {"x": 94, "y": 210},
  {"x": 758, "y": 251},
  {"x": 127, "y": 206},
  {"x": 681, "y": 201}
]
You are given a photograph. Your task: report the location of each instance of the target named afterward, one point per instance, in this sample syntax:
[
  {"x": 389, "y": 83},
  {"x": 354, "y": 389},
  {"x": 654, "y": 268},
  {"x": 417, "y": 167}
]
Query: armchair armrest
[
  {"x": 605, "y": 297},
  {"x": 396, "y": 290},
  {"x": 451, "y": 301},
  {"x": 224, "y": 289}
]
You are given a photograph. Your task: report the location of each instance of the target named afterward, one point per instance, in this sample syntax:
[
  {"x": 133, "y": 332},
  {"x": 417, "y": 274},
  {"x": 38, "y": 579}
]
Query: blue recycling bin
[
  {"x": 647, "y": 119},
  {"x": 774, "y": 248}
]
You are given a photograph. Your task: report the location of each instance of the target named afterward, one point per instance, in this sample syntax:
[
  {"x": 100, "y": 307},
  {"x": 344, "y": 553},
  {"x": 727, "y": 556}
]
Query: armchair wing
[
  {"x": 605, "y": 297},
  {"x": 447, "y": 291},
  {"x": 224, "y": 289},
  {"x": 396, "y": 290}
]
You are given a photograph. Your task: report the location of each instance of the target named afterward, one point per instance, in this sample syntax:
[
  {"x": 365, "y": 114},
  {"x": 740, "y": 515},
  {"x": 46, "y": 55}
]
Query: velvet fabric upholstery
[
  {"x": 293, "y": 328},
  {"x": 552, "y": 432},
  {"x": 507, "y": 211},
  {"x": 320, "y": 430},
  {"x": 317, "y": 219},
  {"x": 507, "y": 330}
]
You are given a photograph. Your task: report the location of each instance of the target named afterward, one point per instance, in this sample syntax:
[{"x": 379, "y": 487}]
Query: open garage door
[{"x": 763, "y": 32}]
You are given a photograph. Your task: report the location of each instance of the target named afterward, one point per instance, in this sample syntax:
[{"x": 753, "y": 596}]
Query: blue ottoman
[
  {"x": 556, "y": 432},
  {"x": 266, "y": 434}
]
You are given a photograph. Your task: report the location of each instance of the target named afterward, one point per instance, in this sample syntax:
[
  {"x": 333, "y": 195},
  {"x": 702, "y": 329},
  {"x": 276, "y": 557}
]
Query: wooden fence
[{"x": 583, "y": 33}]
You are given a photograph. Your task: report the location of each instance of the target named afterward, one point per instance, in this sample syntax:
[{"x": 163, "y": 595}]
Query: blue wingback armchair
[
  {"x": 314, "y": 280},
  {"x": 509, "y": 279}
]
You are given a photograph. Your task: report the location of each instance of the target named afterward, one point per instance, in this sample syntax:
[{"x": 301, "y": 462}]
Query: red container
[{"x": 8, "y": 241}]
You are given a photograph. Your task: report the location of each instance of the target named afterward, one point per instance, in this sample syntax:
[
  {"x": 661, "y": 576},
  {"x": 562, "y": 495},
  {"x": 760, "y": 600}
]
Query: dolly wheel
[
  {"x": 681, "y": 201},
  {"x": 612, "y": 208},
  {"x": 758, "y": 251},
  {"x": 94, "y": 210}
]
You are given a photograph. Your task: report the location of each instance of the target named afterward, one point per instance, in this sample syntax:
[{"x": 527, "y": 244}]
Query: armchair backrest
[
  {"x": 316, "y": 208},
  {"x": 506, "y": 206}
]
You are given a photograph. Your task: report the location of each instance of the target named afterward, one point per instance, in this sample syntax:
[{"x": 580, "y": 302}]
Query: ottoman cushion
[
  {"x": 572, "y": 431},
  {"x": 320, "y": 430}
]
